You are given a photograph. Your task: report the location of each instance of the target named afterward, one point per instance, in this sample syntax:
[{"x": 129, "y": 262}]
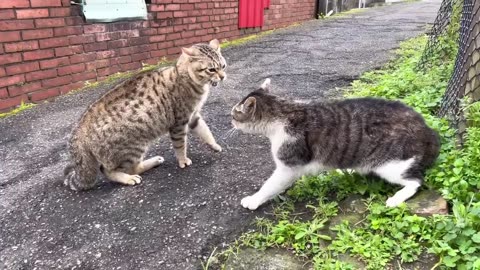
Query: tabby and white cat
[
  {"x": 116, "y": 130},
  {"x": 371, "y": 136}
]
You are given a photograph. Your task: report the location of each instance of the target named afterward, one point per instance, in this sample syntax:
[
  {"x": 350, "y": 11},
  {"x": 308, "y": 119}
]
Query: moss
[
  {"x": 243, "y": 40},
  {"x": 354, "y": 11},
  {"x": 163, "y": 62},
  {"x": 23, "y": 106},
  {"x": 343, "y": 14},
  {"x": 239, "y": 41}
]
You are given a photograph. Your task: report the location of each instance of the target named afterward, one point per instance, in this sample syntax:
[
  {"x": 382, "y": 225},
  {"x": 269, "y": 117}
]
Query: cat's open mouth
[{"x": 214, "y": 83}]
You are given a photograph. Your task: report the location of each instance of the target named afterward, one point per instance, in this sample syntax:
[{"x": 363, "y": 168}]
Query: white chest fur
[
  {"x": 278, "y": 136},
  {"x": 203, "y": 98}
]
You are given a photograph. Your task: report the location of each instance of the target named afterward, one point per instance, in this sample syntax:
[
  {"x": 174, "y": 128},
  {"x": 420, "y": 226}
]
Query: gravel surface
[{"x": 176, "y": 216}]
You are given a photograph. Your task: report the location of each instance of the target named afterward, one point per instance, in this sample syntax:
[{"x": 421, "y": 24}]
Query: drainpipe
[
  {"x": 319, "y": 6},
  {"x": 317, "y": 9}
]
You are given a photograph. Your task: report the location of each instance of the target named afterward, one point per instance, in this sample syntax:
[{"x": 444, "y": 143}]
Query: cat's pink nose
[{"x": 222, "y": 75}]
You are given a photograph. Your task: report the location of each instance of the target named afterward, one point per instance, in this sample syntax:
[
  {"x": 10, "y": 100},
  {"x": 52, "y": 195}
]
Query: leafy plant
[{"x": 389, "y": 232}]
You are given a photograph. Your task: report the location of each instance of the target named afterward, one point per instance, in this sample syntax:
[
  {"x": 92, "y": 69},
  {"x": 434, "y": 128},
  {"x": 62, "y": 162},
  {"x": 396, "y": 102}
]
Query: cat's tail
[{"x": 81, "y": 172}]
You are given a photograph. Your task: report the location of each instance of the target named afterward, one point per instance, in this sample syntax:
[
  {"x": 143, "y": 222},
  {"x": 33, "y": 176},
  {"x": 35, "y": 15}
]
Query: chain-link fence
[
  {"x": 464, "y": 84},
  {"x": 439, "y": 29}
]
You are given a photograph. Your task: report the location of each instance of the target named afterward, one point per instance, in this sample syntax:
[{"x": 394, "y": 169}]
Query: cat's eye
[
  {"x": 224, "y": 66},
  {"x": 212, "y": 69}
]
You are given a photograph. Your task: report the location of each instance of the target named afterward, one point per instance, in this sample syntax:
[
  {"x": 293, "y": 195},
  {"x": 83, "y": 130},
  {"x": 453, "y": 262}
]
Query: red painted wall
[
  {"x": 250, "y": 13},
  {"x": 47, "y": 49}
]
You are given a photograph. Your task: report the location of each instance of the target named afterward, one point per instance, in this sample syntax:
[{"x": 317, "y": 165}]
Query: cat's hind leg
[
  {"x": 148, "y": 164},
  {"x": 121, "y": 177},
  {"x": 81, "y": 173},
  {"x": 401, "y": 172},
  {"x": 126, "y": 168}
]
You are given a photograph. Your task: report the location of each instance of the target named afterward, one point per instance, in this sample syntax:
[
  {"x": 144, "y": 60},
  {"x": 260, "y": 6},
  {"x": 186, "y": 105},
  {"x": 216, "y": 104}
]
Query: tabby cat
[
  {"x": 116, "y": 130},
  {"x": 372, "y": 136}
]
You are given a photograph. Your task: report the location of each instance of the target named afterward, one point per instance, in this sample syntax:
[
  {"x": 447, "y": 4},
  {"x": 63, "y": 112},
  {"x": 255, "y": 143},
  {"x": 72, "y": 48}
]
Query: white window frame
[{"x": 114, "y": 10}]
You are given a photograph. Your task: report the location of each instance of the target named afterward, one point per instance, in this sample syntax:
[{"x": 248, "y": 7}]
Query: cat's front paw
[
  {"x": 251, "y": 202},
  {"x": 157, "y": 160},
  {"x": 216, "y": 147},
  {"x": 184, "y": 162},
  {"x": 393, "y": 202}
]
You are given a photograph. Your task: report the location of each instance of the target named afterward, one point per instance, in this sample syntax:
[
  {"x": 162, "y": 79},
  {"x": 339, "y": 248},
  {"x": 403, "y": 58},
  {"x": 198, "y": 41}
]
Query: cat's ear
[
  {"x": 266, "y": 85},
  {"x": 190, "y": 51},
  {"x": 249, "y": 105},
  {"x": 214, "y": 44}
]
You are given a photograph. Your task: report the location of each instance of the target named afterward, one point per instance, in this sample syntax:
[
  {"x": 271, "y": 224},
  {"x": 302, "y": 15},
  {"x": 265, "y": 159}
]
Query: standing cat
[
  {"x": 116, "y": 130},
  {"x": 369, "y": 135}
]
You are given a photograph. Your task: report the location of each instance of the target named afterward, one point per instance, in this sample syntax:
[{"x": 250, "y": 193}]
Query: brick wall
[{"x": 47, "y": 49}]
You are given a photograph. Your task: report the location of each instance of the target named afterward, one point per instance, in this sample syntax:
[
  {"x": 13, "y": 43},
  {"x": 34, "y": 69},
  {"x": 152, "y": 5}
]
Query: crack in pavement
[{"x": 176, "y": 216}]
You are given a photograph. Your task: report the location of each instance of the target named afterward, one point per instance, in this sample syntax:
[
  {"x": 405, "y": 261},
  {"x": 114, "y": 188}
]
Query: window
[{"x": 113, "y": 10}]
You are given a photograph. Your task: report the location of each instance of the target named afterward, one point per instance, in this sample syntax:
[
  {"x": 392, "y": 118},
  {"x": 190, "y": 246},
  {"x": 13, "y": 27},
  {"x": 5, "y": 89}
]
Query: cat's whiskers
[{"x": 229, "y": 133}]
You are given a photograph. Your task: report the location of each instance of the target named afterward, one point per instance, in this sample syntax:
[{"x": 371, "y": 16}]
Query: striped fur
[
  {"x": 385, "y": 138},
  {"x": 116, "y": 130}
]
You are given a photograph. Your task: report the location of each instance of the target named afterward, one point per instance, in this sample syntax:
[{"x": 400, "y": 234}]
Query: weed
[{"x": 211, "y": 258}]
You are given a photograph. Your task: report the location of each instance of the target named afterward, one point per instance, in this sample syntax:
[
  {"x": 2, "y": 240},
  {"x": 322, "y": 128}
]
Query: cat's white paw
[
  {"x": 251, "y": 202},
  {"x": 393, "y": 202},
  {"x": 216, "y": 147},
  {"x": 184, "y": 162},
  {"x": 133, "y": 180},
  {"x": 158, "y": 160}
]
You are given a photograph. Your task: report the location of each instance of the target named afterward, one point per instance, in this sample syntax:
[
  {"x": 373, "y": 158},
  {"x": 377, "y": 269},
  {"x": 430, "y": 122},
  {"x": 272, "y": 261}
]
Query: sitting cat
[
  {"x": 116, "y": 130},
  {"x": 385, "y": 138}
]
